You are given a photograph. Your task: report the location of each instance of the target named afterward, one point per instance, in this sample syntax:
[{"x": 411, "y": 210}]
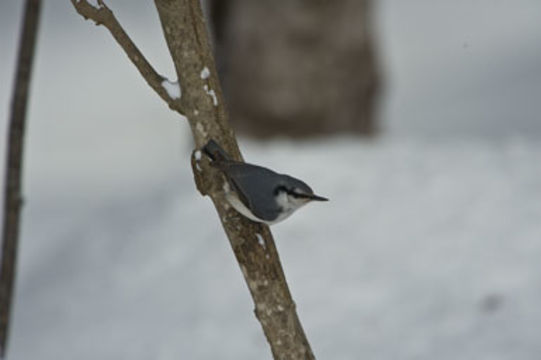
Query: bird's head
[{"x": 293, "y": 193}]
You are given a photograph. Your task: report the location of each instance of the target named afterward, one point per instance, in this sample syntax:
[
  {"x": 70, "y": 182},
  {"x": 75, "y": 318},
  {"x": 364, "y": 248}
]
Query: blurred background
[{"x": 418, "y": 119}]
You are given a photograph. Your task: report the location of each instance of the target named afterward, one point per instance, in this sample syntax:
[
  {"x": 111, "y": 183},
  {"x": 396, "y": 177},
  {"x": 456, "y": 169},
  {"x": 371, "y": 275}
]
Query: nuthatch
[{"x": 258, "y": 193}]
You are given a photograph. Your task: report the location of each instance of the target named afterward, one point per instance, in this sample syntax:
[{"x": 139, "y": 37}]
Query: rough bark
[
  {"x": 203, "y": 104},
  {"x": 14, "y": 163},
  {"x": 297, "y": 68}
]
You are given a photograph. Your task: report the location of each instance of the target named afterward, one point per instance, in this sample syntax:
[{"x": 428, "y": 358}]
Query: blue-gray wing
[{"x": 255, "y": 186}]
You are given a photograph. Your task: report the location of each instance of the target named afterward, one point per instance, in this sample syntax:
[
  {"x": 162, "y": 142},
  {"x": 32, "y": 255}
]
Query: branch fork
[{"x": 102, "y": 15}]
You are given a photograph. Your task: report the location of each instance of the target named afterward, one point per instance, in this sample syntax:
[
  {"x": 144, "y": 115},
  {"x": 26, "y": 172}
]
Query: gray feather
[{"x": 255, "y": 187}]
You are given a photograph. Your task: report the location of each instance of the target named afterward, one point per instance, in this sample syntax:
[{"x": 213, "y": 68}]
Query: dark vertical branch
[{"x": 13, "y": 175}]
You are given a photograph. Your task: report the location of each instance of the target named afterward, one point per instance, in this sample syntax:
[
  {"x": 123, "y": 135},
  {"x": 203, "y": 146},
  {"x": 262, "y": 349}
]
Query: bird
[{"x": 258, "y": 193}]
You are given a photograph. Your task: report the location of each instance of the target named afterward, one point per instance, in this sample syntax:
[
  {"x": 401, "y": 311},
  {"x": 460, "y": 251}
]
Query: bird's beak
[{"x": 317, "y": 198}]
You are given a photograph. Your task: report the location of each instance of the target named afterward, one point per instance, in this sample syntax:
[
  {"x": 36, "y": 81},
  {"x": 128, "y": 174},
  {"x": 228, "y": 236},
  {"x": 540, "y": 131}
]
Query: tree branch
[
  {"x": 13, "y": 174},
  {"x": 202, "y": 102},
  {"x": 102, "y": 15}
]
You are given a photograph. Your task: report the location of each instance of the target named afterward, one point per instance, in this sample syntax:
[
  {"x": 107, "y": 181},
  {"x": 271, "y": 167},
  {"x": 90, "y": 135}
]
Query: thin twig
[
  {"x": 102, "y": 15},
  {"x": 13, "y": 174}
]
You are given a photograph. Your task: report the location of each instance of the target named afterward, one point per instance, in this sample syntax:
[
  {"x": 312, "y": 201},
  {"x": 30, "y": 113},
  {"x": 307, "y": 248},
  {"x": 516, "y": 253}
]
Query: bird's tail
[{"x": 215, "y": 151}]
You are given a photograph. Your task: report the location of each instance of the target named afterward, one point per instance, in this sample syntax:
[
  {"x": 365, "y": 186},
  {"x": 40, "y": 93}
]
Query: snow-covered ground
[{"x": 428, "y": 249}]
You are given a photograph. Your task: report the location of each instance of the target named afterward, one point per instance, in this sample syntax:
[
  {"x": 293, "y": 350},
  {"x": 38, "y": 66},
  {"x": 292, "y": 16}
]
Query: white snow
[
  {"x": 172, "y": 88},
  {"x": 417, "y": 239},
  {"x": 205, "y": 73},
  {"x": 197, "y": 156},
  {"x": 201, "y": 129},
  {"x": 93, "y": 3},
  {"x": 212, "y": 94},
  {"x": 260, "y": 239}
]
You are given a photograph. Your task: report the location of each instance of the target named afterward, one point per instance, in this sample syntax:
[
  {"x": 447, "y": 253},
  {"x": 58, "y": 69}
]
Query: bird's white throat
[{"x": 289, "y": 203}]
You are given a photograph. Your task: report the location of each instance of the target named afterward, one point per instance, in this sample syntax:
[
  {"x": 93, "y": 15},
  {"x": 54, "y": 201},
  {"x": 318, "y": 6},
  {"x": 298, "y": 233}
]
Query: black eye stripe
[{"x": 297, "y": 195}]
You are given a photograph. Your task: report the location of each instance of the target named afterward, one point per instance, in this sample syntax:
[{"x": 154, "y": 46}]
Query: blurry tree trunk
[{"x": 297, "y": 68}]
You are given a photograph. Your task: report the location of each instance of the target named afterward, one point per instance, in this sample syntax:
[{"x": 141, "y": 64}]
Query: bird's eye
[{"x": 280, "y": 189}]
